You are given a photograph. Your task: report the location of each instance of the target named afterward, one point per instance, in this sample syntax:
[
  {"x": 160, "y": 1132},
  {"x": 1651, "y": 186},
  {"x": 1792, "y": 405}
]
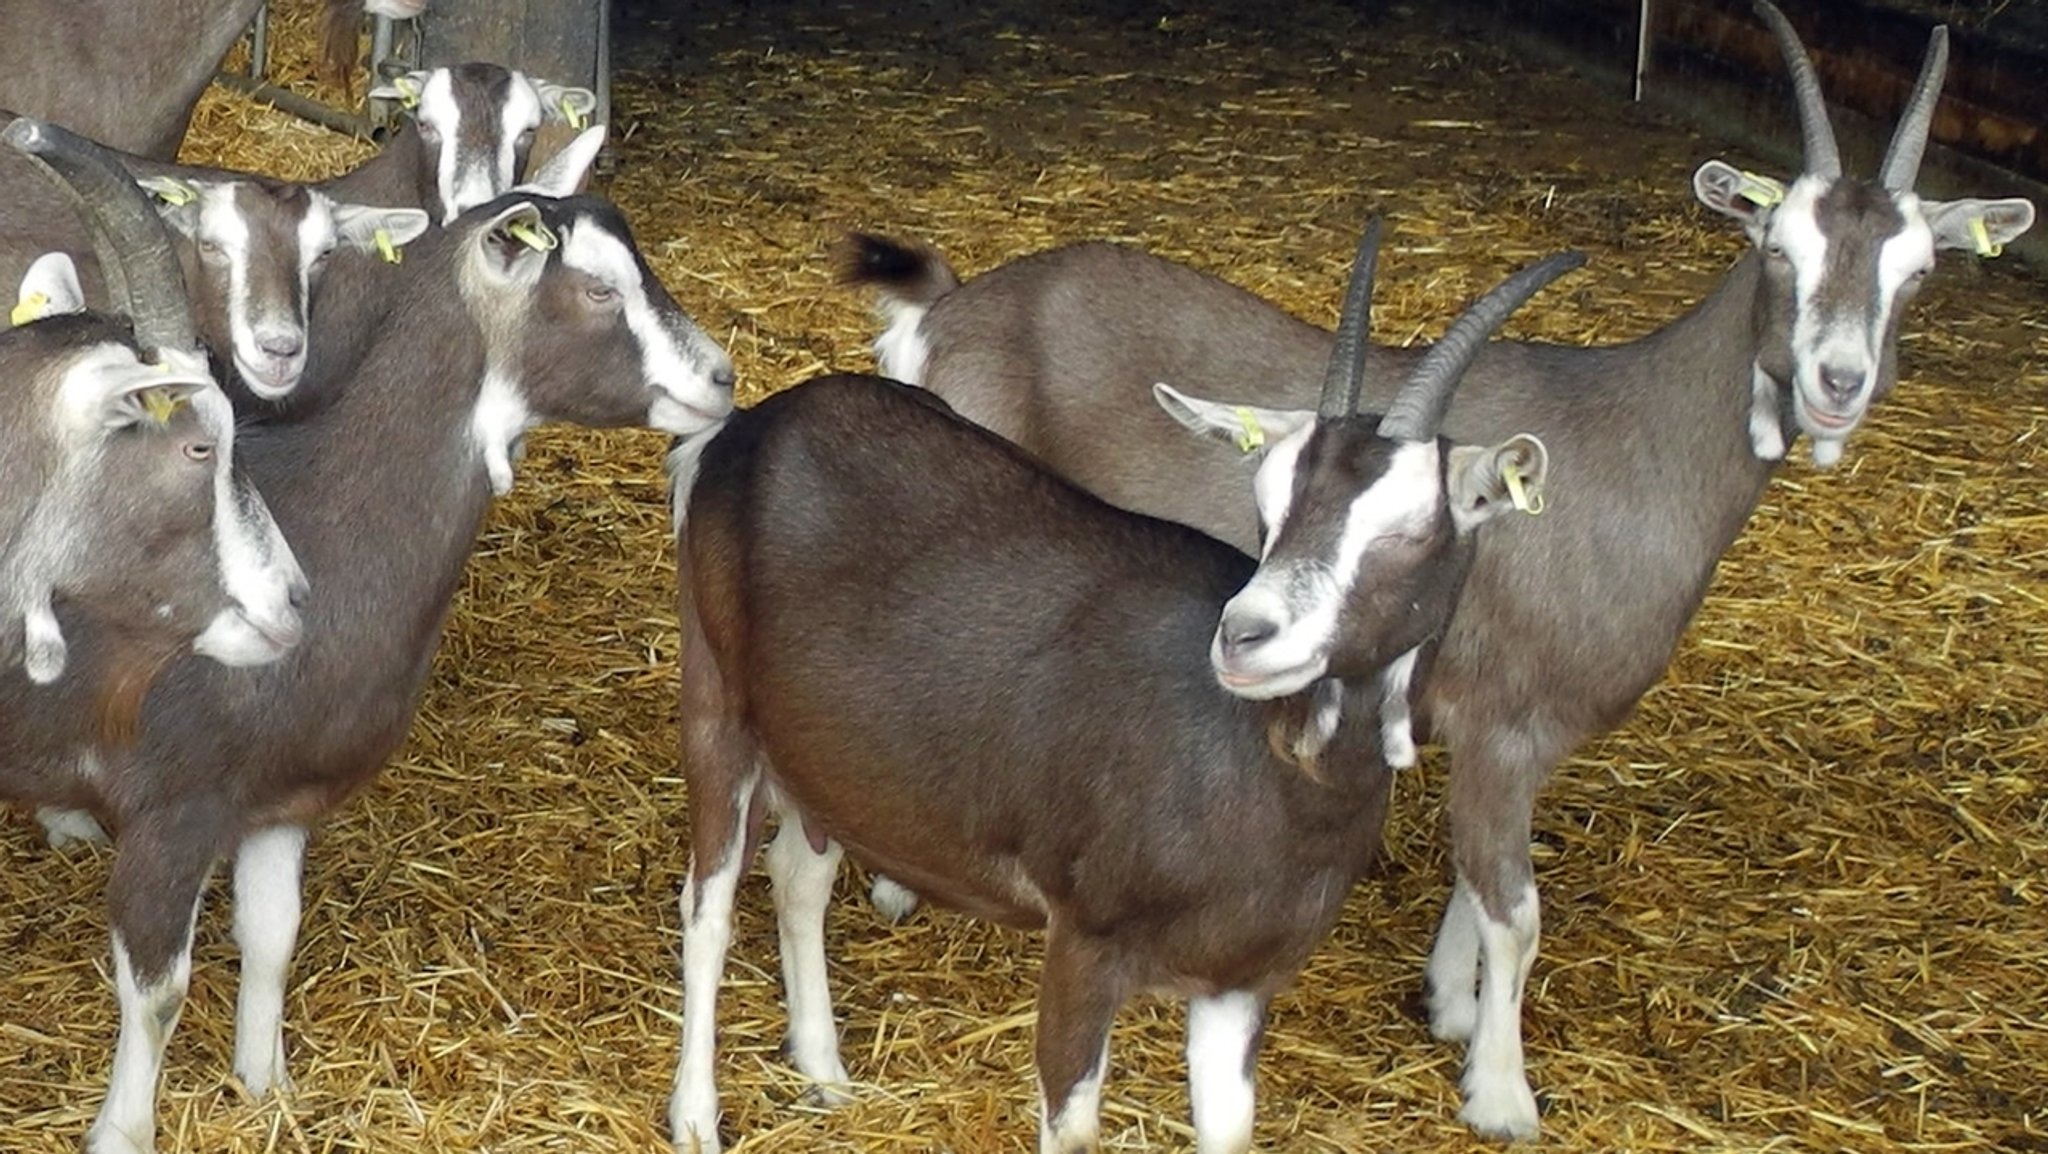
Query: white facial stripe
[
  {"x": 1796, "y": 229},
  {"x": 221, "y": 223},
  {"x": 682, "y": 398},
  {"x": 437, "y": 109},
  {"x": 1405, "y": 497},
  {"x": 1909, "y": 252},
  {"x": 1273, "y": 484},
  {"x": 521, "y": 115}
]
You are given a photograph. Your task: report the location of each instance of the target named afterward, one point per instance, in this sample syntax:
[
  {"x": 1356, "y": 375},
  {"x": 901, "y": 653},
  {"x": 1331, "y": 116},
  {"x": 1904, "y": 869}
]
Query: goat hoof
[
  {"x": 1500, "y": 1109},
  {"x": 112, "y": 1141},
  {"x": 825, "y": 1096},
  {"x": 691, "y": 1140}
]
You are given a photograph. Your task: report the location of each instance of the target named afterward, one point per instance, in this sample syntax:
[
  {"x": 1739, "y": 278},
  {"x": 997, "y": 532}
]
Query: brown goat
[{"x": 909, "y": 639}]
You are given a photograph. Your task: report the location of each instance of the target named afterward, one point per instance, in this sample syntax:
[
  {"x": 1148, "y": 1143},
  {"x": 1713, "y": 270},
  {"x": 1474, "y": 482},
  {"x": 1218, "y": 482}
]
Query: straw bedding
[{"x": 1795, "y": 904}]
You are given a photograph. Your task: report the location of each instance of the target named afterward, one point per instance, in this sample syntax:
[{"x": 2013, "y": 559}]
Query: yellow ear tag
[
  {"x": 1250, "y": 435},
  {"x": 408, "y": 92},
  {"x": 535, "y": 236},
  {"x": 1985, "y": 245},
  {"x": 1760, "y": 190},
  {"x": 161, "y": 404},
  {"x": 30, "y": 308},
  {"x": 391, "y": 253},
  {"x": 573, "y": 115},
  {"x": 174, "y": 192},
  {"x": 1518, "y": 491}
]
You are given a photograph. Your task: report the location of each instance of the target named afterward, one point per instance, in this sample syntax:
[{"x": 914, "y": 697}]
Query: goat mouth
[
  {"x": 671, "y": 414},
  {"x": 1822, "y": 420},
  {"x": 1264, "y": 685},
  {"x": 270, "y": 382}
]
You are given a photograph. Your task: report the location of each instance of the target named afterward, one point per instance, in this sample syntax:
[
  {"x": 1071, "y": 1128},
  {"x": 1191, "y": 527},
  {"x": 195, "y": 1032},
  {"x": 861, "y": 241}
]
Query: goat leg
[
  {"x": 1077, "y": 1000},
  {"x": 802, "y": 881},
  {"x": 1224, "y": 1032},
  {"x": 268, "y": 869},
  {"x": 159, "y": 876}
]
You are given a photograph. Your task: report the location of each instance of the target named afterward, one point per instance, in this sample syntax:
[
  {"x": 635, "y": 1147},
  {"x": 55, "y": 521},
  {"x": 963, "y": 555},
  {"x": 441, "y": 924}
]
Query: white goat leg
[
  {"x": 64, "y": 828},
  {"x": 1452, "y": 978},
  {"x": 802, "y": 883},
  {"x": 1223, "y": 1036},
  {"x": 127, "y": 1119},
  {"x": 707, "y": 935},
  {"x": 1498, "y": 1101},
  {"x": 268, "y": 869},
  {"x": 1078, "y": 1125}
]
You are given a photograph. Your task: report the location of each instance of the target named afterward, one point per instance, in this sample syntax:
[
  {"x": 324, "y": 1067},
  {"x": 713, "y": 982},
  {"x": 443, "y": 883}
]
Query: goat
[
  {"x": 527, "y": 309},
  {"x": 471, "y": 129},
  {"x": 1561, "y": 629},
  {"x": 902, "y": 635},
  {"x": 403, "y": 176},
  {"x": 125, "y": 74},
  {"x": 118, "y": 494},
  {"x": 253, "y": 250}
]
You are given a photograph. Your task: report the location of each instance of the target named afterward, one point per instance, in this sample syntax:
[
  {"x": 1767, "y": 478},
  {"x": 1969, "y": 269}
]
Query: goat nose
[
  {"x": 1841, "y": 384},
  {"x": 281, "y": 344},
  {"x": 723, "y": 377},
  {"x": 1241, "y": 631}
]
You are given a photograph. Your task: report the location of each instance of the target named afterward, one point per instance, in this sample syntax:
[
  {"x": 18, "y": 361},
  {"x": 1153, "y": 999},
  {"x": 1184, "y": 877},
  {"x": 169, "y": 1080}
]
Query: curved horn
[
  {"x": 141, "y": 271},
  {"x": 1418, "y": 410},
  {"x": 1815, "y": 133},
  {"x": 1343, "y": 380},
  {"x": 1909, "y": 140}
]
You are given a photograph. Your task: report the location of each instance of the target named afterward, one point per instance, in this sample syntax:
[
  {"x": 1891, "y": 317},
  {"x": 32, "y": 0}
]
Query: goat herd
[{"x": 265, "y": 422}]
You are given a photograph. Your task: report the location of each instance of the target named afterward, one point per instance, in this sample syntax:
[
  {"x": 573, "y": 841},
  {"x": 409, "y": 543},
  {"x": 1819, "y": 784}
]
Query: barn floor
[{"x": 1796, "y": 904}]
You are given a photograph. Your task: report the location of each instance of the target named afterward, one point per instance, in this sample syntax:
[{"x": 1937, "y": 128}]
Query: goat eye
[
  {"x": 199, "y": 451},
  {"x": 210, "y": 248},
  {"x": 601, "y": 294},
  {"x": 1774, "y": 250}
]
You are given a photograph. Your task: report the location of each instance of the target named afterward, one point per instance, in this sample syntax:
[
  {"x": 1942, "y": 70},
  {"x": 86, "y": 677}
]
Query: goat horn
[
  {"x": 1418, "y": 410},
  {"x": 1816, "y": 134},
  {"x": 141, "y": 271},
  {"x": 1344, "y": 379},
  {"x": 1909, "y": 140}
]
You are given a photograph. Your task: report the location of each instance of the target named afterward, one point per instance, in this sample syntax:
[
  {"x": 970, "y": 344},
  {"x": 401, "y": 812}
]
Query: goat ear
[
  {"x": 143, "y": 397},
  {"x": 1248, "y": 427},
  {"x": 565, "y": 104},
  {"x": 48, "y": 288},
  {"x": 1955, "y": 222},
  {"x": 515, "y": 243},
  {"x": 404, "y": 88},
  {"x": 564, "y": 172},
  {"x": 177, "y": 201},
  {"x": 357, "y": 225},
  {"x": 1484, "y": 480},
  {"x": 1747, "y": 198}
]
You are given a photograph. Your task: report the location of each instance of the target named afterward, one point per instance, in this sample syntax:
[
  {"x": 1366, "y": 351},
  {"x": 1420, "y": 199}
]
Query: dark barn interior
[{"x": 1795, "y": 903}]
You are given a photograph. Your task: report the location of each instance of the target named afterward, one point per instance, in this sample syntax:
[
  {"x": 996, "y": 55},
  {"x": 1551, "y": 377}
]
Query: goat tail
[{"x": 908, "y": 273}]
